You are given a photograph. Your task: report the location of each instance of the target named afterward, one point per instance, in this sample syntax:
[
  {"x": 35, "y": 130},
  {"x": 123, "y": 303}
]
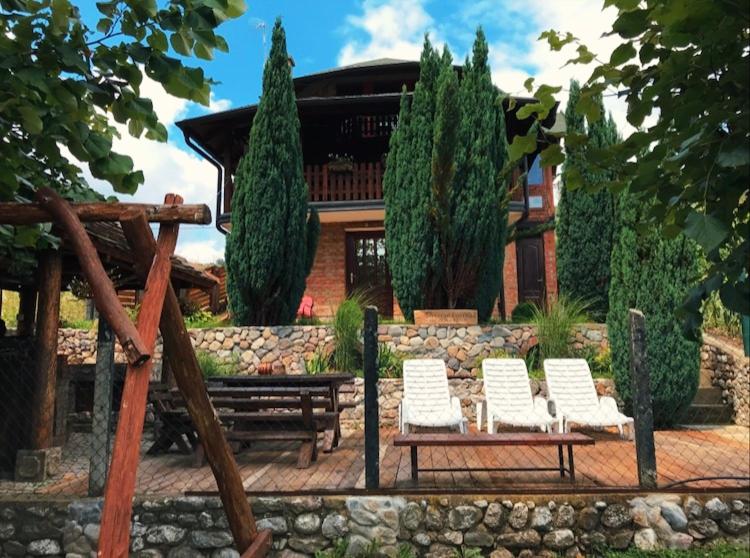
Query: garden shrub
[
  {"x": 653, "y": 274},
  {"x": 554, "y": 325},
  {"x": 212, "y": 366},
  {"x": 347, "y": 323},
  {"x": 390, "y": 362},
  {"x": 318, "y": 363},
  {"x": 523, "y": 313}
]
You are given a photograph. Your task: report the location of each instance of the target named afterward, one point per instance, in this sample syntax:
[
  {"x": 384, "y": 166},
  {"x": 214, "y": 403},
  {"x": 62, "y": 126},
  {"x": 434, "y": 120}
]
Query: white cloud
[
  {"x": 169, "y": 168},
  {"x": 395, "y": 29},
  {"x": 202, "y": 251}
]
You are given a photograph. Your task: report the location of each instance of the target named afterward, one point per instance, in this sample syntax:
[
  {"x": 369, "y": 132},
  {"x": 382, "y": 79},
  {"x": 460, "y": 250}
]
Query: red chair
[{"x": 305, "y": 309}]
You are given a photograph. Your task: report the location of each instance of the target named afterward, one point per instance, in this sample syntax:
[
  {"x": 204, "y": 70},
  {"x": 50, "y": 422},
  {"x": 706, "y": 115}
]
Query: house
[{"x": 346, "y": 116}]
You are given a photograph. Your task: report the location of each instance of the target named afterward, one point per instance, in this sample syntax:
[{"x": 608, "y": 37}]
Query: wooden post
[
  {"x": 372, "y": 432},
  {"x": 45, "y": 367},
  {"x": 643, "y": 413},
  {"x": 184, "y": 365},
  {"x": 102, "y": 416},
  {"x": 102, "y": 289},
  {"x": 26, "y": 311},
  {"x": 118, "y": 493}
]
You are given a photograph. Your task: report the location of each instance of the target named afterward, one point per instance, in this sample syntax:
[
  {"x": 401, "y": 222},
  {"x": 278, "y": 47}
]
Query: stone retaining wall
[
  {"x": 729, "y": 370},
  {"x": 196, "y": 527},
  {"x": 468, "y": 390},
  {"x": 287, "y": 347}
]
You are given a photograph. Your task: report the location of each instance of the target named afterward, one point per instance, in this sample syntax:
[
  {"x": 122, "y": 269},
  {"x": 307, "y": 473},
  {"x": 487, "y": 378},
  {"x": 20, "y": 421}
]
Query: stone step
[
  {"x": 708, "y": 414},
  {"x": 708, "y": 396}
]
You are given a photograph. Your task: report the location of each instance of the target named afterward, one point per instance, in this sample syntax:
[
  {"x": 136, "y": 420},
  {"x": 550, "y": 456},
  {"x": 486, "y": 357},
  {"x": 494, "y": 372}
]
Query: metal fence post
[
  {"x": 643, "y": 412},
  {"x": 102, "y": 413},
  {"x": 372, "y": 432}
]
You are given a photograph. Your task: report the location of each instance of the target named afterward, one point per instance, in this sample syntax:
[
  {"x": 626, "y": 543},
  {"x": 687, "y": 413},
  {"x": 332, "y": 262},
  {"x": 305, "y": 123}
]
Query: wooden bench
[
  {"x": 414, "y": 441},
  {"x": 248, "y": 415}
]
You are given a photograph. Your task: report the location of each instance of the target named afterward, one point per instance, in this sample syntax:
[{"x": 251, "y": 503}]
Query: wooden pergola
[{"x": 153, "y": 266}]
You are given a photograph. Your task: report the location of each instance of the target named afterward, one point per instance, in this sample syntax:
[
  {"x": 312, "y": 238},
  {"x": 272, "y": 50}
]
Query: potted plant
[{"x": 340, "y": 162}]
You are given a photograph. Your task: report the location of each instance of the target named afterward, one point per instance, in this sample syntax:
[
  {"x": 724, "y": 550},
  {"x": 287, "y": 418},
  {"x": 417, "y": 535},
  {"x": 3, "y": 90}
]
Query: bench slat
[{"x": 486, "y": 439}]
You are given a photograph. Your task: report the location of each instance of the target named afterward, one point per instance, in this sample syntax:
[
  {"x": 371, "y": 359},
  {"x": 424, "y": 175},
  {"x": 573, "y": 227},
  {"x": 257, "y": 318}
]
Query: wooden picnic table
[
  {"x": 332, "y": 383},
  {"x": 255, "y": 408},
  {"x": 571, "y": 439}
]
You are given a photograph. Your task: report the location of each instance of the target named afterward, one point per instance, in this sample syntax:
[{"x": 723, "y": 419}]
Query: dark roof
[{"x": 117, "y": 257}]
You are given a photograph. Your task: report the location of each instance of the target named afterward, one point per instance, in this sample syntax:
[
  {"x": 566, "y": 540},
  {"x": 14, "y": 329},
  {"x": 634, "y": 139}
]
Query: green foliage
[
  {"x": 599, "y": 360},
  {"x": 390, "y": 362},
  {"x": 523, "y": 313},
  {"x": 211, "y": 366},
  {"x": 318, "y": 363},
  {"x": 717, "y": 317},
  {"x": 347, "y": 323},
  {"x": 495, "y": 353},
  {"x": 87, "y": 325},
  {"x": 468, "y": 552},
  {"x": 64, "y": 83},
  {"x": 585, "y": 218},
  {"x": 653, "y": 274},
  {"x": 692, "y": 160},
  {"x": 554, "y": 325},
  {"x": 715, "y": 551},
  {"x": 338, "y": 550},
  {"x": 268, "y": 251},
  {"x": 203, "y": 319},
  {"x": 407, "y": 189},
  {"x": 444, "y": 189}
]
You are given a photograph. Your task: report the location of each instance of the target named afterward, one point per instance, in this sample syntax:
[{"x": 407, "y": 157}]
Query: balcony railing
[{"x": 362, "y": 183}]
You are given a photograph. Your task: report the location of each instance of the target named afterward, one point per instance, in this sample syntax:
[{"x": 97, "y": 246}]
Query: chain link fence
[{"x": 306, "y": 433}]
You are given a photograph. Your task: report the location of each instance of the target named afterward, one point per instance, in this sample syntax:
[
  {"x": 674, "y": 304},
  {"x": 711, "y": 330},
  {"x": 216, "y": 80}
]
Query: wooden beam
[
  {"x": 101, "y": 420},
  {"x": 184, "y": 365},
  {"x": 26, "y": 312},
  {"x": 29, "y": 213},
  {"x": 103, "y": 292},
  {"x": 45, "y": 366},
  {"x": 118, "y": 493}
]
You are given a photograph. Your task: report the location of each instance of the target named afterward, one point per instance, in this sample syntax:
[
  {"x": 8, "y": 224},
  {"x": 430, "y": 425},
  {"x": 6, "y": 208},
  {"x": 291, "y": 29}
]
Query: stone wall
[
  {"x": 196, "y": 527},
  {"x": 468, "y": 390},
  {"x": 288, "y": 346},
  {"x": 729, "y": 370}
]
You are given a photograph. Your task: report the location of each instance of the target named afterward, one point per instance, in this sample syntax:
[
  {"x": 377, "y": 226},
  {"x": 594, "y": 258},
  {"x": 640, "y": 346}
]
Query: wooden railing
[{"x": 363, "y": 182}]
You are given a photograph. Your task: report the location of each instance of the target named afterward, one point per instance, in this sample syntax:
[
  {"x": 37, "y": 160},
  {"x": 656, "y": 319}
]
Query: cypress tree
[
  {"x": 585, "y": 220},
  {"x": 480, "y": 217},
  {"x": 653, "y": 274},
  {"x": 410, "y": 243},
  {"x": 271, "y": 246},
  {"x": 443, "y": 188}
]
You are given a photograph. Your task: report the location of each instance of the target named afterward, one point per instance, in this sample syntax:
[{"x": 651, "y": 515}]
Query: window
[
  {"x": 536, "y": 177},
  {"x": 535, "y": 202}
]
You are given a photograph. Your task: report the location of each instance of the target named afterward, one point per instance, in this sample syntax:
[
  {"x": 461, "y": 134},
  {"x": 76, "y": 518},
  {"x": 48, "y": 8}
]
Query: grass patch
[{"x": 718, "y": 551}]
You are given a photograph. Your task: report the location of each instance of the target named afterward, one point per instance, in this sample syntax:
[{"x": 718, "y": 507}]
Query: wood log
[
  {"x": 103, "y": 292},
  {"x": 45, "y": 366},
  {"x": 184, "y": 364},
  {"x": 30, "y": 213},
  {"x": 118, "y": 493}
]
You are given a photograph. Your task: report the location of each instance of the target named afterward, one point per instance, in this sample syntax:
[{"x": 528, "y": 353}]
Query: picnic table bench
[
  {"x": 417, "y": 440},
  {"x": 267, "y": 410}
]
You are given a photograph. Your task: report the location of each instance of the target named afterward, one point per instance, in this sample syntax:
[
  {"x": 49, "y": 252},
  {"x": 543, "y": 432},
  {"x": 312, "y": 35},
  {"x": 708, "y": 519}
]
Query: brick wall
[
  {"x": 326, "y": 283},
  {"x": 510, "y": 279}
]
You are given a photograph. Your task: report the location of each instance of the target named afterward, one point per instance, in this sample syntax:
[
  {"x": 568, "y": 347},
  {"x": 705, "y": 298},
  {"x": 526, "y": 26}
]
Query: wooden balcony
[{"x": 363, "y": 182}]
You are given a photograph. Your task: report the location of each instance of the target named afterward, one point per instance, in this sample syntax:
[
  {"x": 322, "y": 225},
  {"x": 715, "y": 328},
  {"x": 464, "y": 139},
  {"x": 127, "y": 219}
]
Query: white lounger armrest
[{"x": 456, "y": 407}]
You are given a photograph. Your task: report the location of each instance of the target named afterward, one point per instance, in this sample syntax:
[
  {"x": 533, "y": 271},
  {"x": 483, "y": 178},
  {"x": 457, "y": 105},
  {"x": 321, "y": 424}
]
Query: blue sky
[{"x": 328, "y": 33}]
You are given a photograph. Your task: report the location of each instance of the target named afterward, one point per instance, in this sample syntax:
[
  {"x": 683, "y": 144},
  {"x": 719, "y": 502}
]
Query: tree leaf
[
  {"x": 736, "y": 156},
  {"x": 31, "y": 121},
  {"x": 552, "y": 155},
  {"x": 622, "y": 54},
  {"x": 523, "y": 145},
  {"x": 706, "y": 230}
]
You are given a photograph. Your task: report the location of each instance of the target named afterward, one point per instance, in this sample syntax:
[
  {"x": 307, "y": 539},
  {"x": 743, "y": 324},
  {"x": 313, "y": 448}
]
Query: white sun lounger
[
  {"x": 508, "y": 398},
  {"x": 427, "y": 401},
  {"x": 572, "y": 390}
]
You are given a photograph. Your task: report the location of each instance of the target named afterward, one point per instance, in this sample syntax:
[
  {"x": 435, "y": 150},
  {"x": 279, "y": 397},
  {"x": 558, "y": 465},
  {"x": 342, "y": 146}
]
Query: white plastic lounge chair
[
  {"x": 508, "y": 398},
  {"x": 427, "y": 400},
  {"x": 572, "y": 390}
]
